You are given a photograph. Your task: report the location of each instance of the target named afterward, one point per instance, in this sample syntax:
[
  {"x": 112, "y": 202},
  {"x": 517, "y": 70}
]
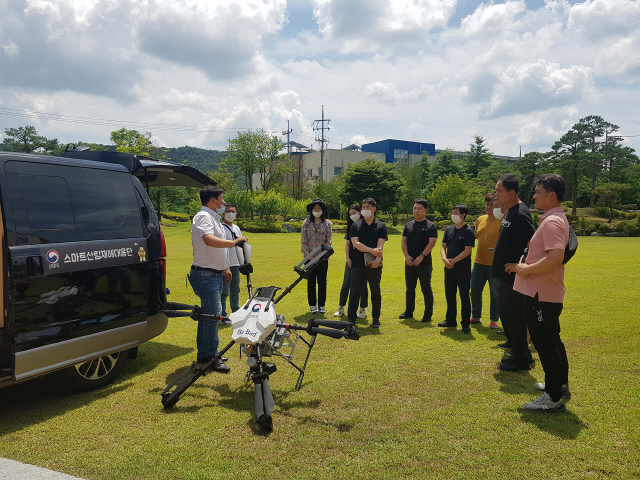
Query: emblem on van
[
  {"x": 53, "y": 256},
  {"x": 142, "y": 253}
]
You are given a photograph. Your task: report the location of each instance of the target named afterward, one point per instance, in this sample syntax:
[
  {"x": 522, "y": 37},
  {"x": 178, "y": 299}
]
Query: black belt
[{"x": 194, "y": 267}]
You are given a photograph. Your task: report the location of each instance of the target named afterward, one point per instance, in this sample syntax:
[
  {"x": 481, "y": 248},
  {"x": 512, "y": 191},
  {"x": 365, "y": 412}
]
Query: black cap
[{"x": 316, "y": 201}]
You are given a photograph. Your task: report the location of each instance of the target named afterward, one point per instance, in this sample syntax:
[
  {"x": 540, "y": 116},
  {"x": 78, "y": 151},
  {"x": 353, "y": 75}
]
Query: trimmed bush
[
  {"x": 442, "y": 224},
  {"x": 573, "y": 218},
  {"x": 177, "y": 217},
  {"x": 260, "y": 226}
]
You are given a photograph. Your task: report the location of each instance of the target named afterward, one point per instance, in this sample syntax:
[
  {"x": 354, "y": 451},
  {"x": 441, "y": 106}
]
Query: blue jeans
[
  {"x": 480, "y": 275},
  {"x": 207, "y": 286},
  {"x": 232, "y": 287}
]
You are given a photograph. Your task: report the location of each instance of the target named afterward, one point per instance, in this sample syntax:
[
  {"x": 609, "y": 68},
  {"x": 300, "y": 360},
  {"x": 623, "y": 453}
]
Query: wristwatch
[{"x": 422, "y": 254}]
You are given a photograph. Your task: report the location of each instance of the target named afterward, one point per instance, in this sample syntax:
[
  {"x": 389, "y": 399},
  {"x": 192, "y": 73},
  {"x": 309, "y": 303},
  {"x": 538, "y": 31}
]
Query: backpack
[{"x": 572, "y": 246}]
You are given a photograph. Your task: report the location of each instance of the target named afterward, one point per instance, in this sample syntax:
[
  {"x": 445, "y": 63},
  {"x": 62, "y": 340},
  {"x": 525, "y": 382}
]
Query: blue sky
[{"x": 194, "y": 72}]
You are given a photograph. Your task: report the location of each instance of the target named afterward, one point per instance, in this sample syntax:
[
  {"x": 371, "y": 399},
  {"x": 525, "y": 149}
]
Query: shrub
[
  {"x": 602, "y": 211},
  {"x": 442, "y": 224},
  {"x": 177, "y": 217},
  {"x": 572, "y": 218},
  {"x": 394, "y": 229},
  {"x": 260, "y": 226},
  {"x": 593, "y": 227},
  {"x": 568, "y": 204},
  {"x": 296, "y": 225},
  {"x": 431, "y": 217},
  {"x": 604, "y": 228},
  {"x": 536, "y": 219}
]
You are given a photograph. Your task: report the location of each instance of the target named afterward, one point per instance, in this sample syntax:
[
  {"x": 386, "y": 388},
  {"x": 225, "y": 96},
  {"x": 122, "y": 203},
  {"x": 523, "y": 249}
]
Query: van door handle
[{"x": 34, "y": 266}]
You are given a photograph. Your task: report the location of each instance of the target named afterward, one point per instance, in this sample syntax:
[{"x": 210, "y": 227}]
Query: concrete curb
[{"x": 13, "y": 470}]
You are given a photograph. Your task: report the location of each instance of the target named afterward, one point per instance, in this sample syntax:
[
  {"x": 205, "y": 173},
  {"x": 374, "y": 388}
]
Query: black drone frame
[{"x": 259, "y": 370}]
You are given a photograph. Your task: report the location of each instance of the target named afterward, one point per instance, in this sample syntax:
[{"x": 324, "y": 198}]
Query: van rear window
[{"x": 59, "y": 203}]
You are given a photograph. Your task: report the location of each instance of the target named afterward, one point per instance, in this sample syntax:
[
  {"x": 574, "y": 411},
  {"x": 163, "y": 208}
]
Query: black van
[{"x": 83, "y": 270}]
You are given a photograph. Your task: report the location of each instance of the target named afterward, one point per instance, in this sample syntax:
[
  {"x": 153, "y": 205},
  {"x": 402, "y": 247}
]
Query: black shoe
[
  {"x": 426, "y": 319},
  {"x": 219, "y": 366},
  {"x": 447, "y": 323},
  {"x": 466, "y": 330},
  {"x": 504, "y": 346},
  {"x": 511, "y": 365},
  {"x": 404, "y": 315},
  {"x": 375, "y": 324}
]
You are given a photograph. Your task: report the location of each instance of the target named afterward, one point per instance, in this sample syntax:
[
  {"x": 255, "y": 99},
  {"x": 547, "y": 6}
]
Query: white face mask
[
  {"x": 456, "y": 219},
  {"x": 355, "y": 218},
  {"x": 366, "y": 213},
  {"x": 230, "y": 217},
  {"x": 497, "y": 212},
  {"x": 316, "y": 214}
]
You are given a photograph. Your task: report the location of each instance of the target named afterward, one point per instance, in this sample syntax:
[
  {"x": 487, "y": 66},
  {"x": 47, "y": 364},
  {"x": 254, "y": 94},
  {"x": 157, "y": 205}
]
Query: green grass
[{"x": 409, "y": 401}]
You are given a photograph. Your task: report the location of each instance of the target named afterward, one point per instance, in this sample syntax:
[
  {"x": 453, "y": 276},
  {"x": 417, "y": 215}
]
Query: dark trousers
[
  {"x": 318, "y": 274},
  {"x": 513, "y": 322},
  {"x": 411, "y": 276},
  {"x": 454, "y": 282},
  {"x": 359, "y": 278},
  {"x": 346, "y": 285},
  {"x": 543, "y": 321}
]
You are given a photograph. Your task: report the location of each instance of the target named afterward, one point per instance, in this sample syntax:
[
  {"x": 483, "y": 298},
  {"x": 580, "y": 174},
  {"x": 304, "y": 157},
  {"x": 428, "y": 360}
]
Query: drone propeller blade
[
  {"x": 179, "y": 306},
  {"x": 328, "y": 323},
  {"x": 176, "y": 313},
  {"x": 329, "y": 332}
]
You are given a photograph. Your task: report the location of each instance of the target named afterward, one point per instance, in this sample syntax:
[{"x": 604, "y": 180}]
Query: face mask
[
  {"x": 230, "y": 217},
  {"x": 366, "y": 213},
  {"x": 220, "y": 210},
  {"x": 354, "y": 218},
  {"x": 317, "y": 214},
  {"x": 497, "y": 212},
  {"x": 456, "y": 219}
]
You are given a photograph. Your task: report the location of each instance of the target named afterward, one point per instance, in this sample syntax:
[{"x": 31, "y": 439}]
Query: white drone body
[{"x": 253, "y": 322}]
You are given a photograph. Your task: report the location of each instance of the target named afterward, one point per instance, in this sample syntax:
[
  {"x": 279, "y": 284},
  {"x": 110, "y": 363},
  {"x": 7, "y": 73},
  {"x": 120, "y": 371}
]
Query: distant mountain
[{"x": 200, "y": 158}]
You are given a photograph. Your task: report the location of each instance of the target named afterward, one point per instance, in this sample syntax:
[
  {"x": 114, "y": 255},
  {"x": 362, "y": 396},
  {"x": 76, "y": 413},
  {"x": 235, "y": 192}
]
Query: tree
[
  {"x": 478, "y": 157},
  {"x": 133, "y": 142},
  {"x": 329, "y": 192},
  {"x": 27, "y": 140},
  {"x": 453, "y": 190},
  {"x": 445, "y": 164},
  {"x": 591, "y": 128},
  {"x": 528, "y": 168},
  {"x": 568, "y": 156},
  {"x": 296, "y": 181},
  {"x": 489, "y": 175},
  {"x": 372, "y": 178},
  {"x": 611, "y": 193},
  {"x": 257, "y": 152}
]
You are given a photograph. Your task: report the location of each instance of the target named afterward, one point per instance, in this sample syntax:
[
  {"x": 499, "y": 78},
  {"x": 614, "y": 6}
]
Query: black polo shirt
[
  {"x": 367, "y": 235},
  {"x": 457, "y": 239},
  {"x": 418, "y": 235},
  {"x": 515, "y": 232}
]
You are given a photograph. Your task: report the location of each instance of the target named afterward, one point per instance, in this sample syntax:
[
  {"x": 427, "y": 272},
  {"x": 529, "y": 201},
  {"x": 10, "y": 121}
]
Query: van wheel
[{"x": 94, "y": 373}]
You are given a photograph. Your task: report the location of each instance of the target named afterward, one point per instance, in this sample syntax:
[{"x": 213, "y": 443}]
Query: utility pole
[
  {"x": 288, "y": 143},
  {"x": 319, "y": 125}
]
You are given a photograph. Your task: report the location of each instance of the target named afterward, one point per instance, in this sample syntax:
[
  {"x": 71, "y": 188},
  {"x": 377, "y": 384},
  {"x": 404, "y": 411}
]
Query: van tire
[{"x": 94, "y": 373}]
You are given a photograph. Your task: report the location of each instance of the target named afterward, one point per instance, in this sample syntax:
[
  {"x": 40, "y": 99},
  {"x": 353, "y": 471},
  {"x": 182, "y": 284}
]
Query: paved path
[{"x": 12, "y": 470}]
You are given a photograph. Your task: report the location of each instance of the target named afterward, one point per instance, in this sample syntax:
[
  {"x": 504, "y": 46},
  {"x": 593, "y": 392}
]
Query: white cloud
[
  {"x": 11, "y": 49},
  {"x": 492, "y": 19},
  {"x": 602, "y": 19}
]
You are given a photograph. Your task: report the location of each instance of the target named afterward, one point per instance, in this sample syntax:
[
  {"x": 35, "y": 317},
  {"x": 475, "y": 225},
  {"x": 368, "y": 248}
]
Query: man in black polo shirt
[
  {"x": 515, "y": 232},
  {"x": 367, "y": 237},
  {"x": 457, "y": 244},
  {"x": 418, "y": 239}
]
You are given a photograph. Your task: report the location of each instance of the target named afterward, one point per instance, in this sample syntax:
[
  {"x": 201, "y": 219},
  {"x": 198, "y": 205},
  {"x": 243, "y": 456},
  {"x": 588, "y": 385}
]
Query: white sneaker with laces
[
  {"x": 362, "y": 313},
  {"x": 544, "y": 404},
  {"x": 321, "y": 310},
  {"x": 314, "y": 310},
  {"x": 340, "y": 312},
  {"x": 566, "y": 393}
]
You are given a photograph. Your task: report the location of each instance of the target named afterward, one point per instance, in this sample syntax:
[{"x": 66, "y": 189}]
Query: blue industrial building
[{"x": 396, "y": 150}]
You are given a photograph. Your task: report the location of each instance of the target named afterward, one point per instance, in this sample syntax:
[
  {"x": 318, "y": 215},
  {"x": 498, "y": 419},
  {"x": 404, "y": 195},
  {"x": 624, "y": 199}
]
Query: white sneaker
[
  {"x": 566, "y": 393},
  {"x": 339, "y": 312},
  {"x": 362, "y": 313},
  {"x": 321, "y": 310},
  {"x": 544, "y": 404},
  {"x": 314, "y": 310}
]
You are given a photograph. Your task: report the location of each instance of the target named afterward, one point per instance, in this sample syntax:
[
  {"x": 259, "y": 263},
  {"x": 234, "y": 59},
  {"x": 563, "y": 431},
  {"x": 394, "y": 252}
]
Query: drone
[{"x": 261, "y": 334}]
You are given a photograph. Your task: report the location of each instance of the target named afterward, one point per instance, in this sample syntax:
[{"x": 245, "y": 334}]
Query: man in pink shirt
[{"x": 540, "y": 278}]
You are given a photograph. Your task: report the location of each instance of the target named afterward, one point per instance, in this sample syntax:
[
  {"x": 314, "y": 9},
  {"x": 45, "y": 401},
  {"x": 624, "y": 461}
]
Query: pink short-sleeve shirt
[{"x": 552, "y": 234}]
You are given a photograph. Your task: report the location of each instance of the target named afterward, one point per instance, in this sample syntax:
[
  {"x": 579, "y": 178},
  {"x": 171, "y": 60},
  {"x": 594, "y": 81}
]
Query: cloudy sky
[{"x": 195, "y": 72}]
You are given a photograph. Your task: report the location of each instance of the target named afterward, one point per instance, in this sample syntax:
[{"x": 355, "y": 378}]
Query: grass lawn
[{"x": 407, "y": 401}]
